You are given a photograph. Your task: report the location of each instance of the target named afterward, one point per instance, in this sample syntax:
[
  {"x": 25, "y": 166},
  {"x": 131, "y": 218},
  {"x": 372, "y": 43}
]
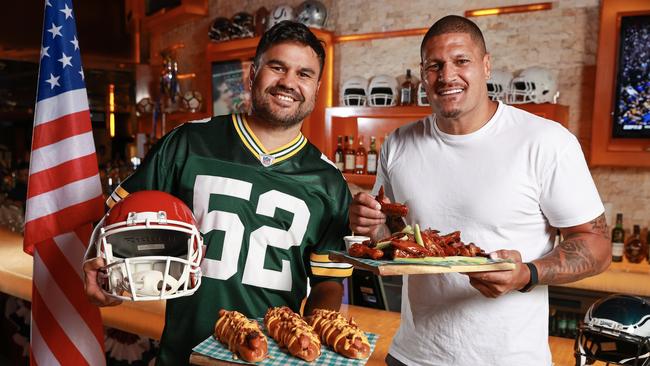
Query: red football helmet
[{"x": 151, "y": 246}]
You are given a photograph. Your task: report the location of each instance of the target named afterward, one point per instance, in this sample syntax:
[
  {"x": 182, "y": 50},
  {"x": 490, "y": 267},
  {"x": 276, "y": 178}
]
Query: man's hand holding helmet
[{"x": 147, "y": 247}]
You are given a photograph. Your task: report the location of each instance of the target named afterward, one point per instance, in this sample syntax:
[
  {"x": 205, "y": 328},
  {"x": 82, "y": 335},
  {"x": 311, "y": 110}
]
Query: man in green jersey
[{"x": 269, "y": 204}]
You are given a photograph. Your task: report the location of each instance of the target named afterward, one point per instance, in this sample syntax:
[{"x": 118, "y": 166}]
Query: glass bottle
[
  {"x": 338, "y": 153},
  {"x": 406, "y": 90},
  {"x": 634, "y": 250},
  {"x": 371, "y": 165},
  {"x": 618, "y": 239},
  {"x": 360, "y": 159},
  {"x": 349, "y": 156}
]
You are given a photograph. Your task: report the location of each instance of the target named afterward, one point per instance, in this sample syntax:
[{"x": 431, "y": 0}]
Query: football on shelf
[
  {"x": 145, "y": 106},
  {"x": 192, "y": 101}
]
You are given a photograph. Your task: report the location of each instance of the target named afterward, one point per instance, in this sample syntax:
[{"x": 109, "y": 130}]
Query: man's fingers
[
  {"x": 365, "y": 221},
  {"x": 94, "y": 292},
  {"x": 367, "y": 200},
  {"x": 361, "y": 210},
  {"x": 482, "y": 287},
  {"x": 506, "y": 254}
]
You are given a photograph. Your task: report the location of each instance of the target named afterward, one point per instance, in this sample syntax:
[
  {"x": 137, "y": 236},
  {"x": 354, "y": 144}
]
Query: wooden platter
[{"x": 429, "y": 265}]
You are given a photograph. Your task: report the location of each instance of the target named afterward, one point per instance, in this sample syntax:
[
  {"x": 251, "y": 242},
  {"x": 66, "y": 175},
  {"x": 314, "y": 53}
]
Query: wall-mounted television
[
  {"x": 620, "y": 130},
  {"x": 631, "y": 118}
]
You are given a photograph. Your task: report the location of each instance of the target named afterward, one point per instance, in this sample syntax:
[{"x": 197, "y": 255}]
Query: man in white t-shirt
[{"x": 505, "y": 178}]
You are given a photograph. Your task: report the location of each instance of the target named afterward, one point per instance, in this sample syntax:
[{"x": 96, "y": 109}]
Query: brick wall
[{"x": 563, "y": 39}]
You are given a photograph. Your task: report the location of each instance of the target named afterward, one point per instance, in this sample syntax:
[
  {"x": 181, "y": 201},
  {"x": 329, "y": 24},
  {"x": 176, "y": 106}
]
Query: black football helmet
[
  {"x": 616, "y": 330},
  {"x": 242, "y": 25},
  {"x": 221, "y": 30}
]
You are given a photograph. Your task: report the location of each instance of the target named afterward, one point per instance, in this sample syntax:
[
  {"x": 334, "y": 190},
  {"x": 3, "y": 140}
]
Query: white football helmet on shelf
[
  {"x": 423, "y": 99},
  {"x": 354, "y": 91},
  {"x": 498, "y": 85},
  {"x": 533, "y": 85},
  {"x": 278, "y": 14},
  {"x": 382, "y": 91},
  {"x": 151, "y": 247},
  {"x": 312, "y": 13}
]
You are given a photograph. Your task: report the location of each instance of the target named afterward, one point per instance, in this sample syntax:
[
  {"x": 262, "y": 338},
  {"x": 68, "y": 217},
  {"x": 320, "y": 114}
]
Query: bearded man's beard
[{"x": 263, "y": 109}]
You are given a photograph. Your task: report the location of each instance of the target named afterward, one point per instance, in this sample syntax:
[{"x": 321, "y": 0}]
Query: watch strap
[{"x": 533, "y": 281}]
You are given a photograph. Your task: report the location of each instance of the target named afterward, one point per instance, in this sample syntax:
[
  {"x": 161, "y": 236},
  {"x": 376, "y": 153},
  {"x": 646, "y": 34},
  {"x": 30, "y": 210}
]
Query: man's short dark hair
[
  {"x": 290, "y": 31},
  {"x": 455, "y": 24}
]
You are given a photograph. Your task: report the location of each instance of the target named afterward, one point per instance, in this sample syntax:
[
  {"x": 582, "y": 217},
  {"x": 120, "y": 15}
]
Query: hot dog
[
  {"x": 290, "y": 331},
  {"x": 241, "y": 335},
  {"x": 342, "y": 335}
]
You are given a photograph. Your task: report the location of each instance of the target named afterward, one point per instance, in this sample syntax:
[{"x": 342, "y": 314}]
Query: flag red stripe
[
  {"x": 60, "y": 175},
  {"x": 84, "y": 232},
  {"x": 63, "y": 349},
  {"x": 61, "y": 128},
  {"x": 70, "y": 284},
  {"x": 60, "y": 222}
]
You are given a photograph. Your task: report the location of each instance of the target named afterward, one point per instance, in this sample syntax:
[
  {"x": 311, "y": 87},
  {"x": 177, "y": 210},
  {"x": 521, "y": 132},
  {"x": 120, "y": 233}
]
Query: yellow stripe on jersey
[
  {"x": 294, "y": 152},
  {"x": 253, "y": 144},
  {"x": 286, "y": 146},
  {"x": 331, "y": 272},
  {"x": 320, "y": 258},
  {"x": 118, "y": 194},
  {"x": 321, "y": 265},
  {"x": 243, "y": 138},
  {"x": 250, "y": 133}
]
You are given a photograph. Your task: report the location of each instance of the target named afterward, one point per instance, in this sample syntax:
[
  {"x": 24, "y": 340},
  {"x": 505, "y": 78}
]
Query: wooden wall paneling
[{"x": 168, "y": 18}]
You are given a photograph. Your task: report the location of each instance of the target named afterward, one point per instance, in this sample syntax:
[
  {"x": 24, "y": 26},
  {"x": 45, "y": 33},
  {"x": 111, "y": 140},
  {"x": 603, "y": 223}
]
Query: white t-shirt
[{"x": 504, "y": 187}]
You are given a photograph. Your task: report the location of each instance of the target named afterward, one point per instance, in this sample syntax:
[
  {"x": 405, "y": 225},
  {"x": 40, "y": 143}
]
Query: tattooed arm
[{"x": 585, "y": 251}]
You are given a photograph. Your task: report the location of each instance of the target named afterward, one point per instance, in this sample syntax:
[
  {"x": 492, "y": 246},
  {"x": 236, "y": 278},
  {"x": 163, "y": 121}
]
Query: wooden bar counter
[{"x": 146, "y": 318}]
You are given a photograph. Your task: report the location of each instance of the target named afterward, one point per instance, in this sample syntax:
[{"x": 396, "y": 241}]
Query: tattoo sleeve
[{"x": 574, "y": 258}]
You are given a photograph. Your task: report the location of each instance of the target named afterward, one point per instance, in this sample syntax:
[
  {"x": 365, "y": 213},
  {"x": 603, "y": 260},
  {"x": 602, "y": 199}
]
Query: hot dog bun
[
  {"x": 292, "y": 332},
  {"x": 341, "y": 334},
  {"x": 241, "y": 335}
]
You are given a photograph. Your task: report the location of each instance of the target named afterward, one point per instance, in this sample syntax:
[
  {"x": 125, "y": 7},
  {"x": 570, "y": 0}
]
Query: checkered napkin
[{"x": 213, "y": 348}]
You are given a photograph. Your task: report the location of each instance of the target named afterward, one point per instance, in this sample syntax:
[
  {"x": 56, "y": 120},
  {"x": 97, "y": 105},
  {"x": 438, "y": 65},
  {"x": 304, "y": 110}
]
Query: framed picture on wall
[
  {"x": 631, "y": 118},
  {"x": 230, "y": 87}
]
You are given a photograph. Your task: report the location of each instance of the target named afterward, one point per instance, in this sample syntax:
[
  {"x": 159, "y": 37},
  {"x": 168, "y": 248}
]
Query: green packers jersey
[{"x": 268, "y": 219}]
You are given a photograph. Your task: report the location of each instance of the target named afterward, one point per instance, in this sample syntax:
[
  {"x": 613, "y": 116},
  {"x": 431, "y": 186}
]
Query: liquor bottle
[
  {"x": 360, "y": 159},
  {"x": 406, "y": 90},
  {"x": 371, "y": 166},
  {"x": 618, "y": 238},
  {"x": 634, "y": 250},
  {"x": 338, "y": 154},
  {"x": 349, "y": 156}
]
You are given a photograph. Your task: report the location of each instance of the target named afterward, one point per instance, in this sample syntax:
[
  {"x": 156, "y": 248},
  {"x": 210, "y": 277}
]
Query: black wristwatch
[{"x": 533, "y": 278}]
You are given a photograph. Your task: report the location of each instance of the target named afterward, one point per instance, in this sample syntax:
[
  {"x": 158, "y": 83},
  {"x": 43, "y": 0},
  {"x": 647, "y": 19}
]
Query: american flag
[{"x": 64, "y": 197}]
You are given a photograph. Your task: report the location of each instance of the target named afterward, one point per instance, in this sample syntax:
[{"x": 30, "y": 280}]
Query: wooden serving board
[{"x": 429, "y": 265}]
